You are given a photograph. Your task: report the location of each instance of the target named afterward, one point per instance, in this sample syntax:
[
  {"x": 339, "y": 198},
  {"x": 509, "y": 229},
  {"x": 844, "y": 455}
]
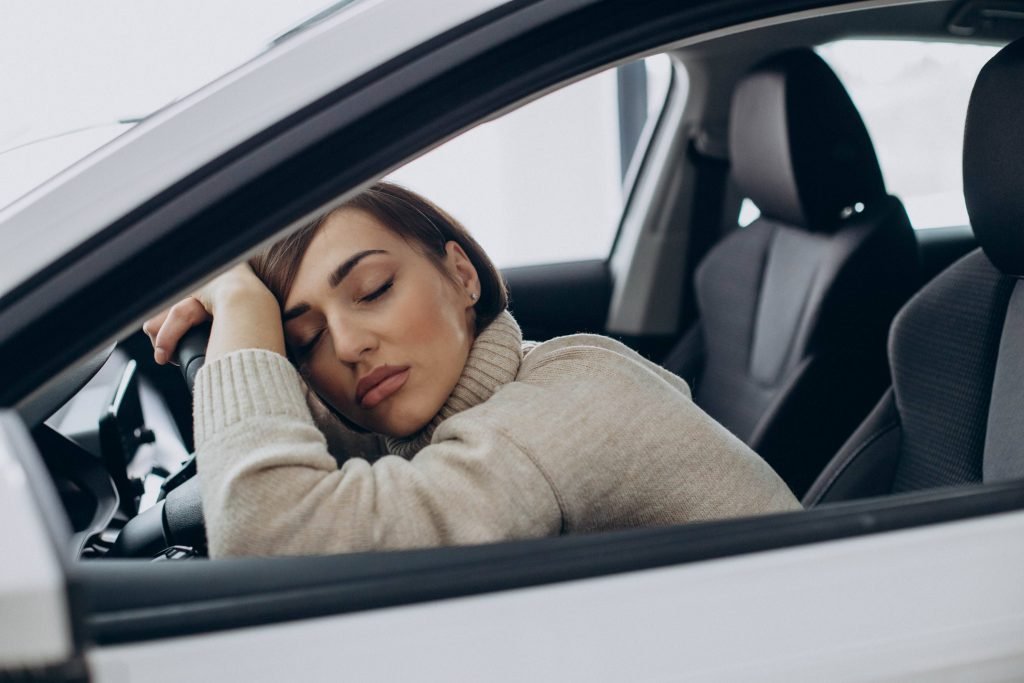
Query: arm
[
  {"x": 270, "y": 487},
  {"x": 269, "y": 484},
  {"x": 245, "y": 316}
]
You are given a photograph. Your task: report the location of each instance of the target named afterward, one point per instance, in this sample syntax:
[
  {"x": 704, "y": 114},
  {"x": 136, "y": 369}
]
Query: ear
[{"x": 463, "y": 270}]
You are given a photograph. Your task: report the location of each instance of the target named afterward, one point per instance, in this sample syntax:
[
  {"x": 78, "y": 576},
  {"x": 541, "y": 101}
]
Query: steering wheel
[
  {"x": 191, "y": 353},
  {"x": 177, "y": 519}
]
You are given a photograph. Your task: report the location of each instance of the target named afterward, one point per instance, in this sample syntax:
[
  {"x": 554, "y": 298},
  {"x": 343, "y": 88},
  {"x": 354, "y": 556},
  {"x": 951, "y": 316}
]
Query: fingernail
[{"x": 160, "y": 356}]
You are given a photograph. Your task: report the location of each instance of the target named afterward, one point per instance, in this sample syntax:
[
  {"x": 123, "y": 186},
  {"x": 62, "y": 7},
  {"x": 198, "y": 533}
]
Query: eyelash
[
  {"x": 302, "y": 351},
  {"x": 379, "y": 292}
]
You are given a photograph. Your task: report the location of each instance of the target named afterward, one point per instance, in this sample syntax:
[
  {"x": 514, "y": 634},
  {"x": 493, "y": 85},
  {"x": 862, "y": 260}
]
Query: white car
[{"x": 884, "y": 579}]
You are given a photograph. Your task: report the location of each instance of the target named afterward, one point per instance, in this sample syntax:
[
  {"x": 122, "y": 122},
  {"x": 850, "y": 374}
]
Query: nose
[{"x": 351, "y": 340}]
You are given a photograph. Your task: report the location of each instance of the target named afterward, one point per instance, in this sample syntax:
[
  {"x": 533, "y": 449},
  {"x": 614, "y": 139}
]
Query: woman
[{"x": 450, "y": 429}]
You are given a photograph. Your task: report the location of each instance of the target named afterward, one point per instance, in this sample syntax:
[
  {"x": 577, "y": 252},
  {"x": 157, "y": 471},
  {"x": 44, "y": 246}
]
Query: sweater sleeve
[{"x": 270, "y": 486}]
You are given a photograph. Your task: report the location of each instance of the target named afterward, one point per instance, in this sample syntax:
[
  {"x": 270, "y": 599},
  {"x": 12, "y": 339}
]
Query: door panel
[
  {"x": 561, "y": 298},
  {"x": 861, "y": 608},
  {"x": 37, "y": 641}
]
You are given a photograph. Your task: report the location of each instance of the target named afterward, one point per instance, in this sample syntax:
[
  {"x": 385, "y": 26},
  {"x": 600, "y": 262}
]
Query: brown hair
[{"x": 412, "y": 217}]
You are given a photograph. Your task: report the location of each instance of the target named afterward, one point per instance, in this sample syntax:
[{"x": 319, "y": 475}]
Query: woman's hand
[{"x": 237, "y": 298}]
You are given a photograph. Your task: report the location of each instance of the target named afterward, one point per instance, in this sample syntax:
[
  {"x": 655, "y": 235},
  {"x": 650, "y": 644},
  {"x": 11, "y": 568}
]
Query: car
[{"x": 104, "y": 576}]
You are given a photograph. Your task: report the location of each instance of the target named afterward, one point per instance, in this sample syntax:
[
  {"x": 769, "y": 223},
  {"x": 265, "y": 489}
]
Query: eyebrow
[
  {"x": 334, "y": 279},
  {"x": 342, "y": 271}
]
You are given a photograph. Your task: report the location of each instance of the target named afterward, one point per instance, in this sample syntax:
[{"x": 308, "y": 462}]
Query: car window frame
[{"x": 98, "y": 277}]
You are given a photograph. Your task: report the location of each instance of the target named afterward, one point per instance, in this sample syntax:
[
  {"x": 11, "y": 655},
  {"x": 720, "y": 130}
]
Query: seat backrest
[
  {"x": 794, "y": 308},
  {"x": 957, "y": 349}
]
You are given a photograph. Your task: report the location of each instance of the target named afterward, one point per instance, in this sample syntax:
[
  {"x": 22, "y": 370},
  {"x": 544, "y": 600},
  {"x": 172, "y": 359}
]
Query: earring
[{"x": 474, "y": 296}]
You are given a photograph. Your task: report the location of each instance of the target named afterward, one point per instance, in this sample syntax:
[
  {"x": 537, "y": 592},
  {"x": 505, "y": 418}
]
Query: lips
[{"x": 379, "y": 384}]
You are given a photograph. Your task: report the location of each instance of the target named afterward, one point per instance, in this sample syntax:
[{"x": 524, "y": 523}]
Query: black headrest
[
  {"x": 994, "y": 159},
  {"x": 798, "y": 147}
]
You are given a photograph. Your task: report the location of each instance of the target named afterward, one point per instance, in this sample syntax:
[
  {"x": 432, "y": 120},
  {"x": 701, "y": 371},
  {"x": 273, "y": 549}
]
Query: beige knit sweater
[{"x": 576, "y": 434}]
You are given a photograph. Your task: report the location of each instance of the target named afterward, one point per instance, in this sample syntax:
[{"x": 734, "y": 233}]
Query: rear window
[{"x": 913, "y": 97}]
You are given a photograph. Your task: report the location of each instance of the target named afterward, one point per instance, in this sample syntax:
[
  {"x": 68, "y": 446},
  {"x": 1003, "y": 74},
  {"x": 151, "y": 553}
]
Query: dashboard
[{"x": 115, "y": 452}]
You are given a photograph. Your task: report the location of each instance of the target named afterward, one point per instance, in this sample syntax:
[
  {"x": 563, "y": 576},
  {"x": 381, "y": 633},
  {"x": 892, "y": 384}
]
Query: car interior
[
  {"x": 798, "y": 303},
  {"x": 950, "y": 416},
  {"x": 860, "y": 357}
]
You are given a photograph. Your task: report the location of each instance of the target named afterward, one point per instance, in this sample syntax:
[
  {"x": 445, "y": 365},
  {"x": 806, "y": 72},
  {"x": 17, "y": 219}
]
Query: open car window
[
  {"x": 645, "y": 587},
  {"x": 547, "y": 182}
]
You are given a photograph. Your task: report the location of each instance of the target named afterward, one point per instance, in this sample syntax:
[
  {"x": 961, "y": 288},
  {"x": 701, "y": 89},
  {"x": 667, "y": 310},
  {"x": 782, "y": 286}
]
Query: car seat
[
  {"x": 956, "y": 350},
  {"x": 789, "y": 349}
]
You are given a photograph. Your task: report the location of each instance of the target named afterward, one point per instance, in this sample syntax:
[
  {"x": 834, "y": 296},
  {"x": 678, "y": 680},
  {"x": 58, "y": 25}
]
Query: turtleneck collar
[{"x": 493, "y": 361}]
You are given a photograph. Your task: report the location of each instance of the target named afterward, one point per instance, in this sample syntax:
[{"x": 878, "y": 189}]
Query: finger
[
  {"x": 182, "y": 317},
  {"x": 152, "y": 326}
]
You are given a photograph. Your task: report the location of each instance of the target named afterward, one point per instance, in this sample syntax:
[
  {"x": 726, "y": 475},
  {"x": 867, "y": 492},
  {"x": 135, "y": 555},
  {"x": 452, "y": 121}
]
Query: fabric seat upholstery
[
  {"x": 956, "y": 350},
  {"x": 789, "y": 351}
]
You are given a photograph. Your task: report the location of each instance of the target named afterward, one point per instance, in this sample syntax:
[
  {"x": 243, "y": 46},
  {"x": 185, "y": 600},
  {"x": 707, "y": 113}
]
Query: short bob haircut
[{"x": 415, "y": 219}]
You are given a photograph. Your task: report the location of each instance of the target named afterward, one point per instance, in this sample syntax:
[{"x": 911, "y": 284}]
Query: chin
[
  {"x": 402, "y": 427},
  {"x": 398, "y": 433}
]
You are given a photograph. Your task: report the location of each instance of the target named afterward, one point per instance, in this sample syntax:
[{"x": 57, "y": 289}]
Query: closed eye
[
  {"x": 299, "y": 352},
  {"x": 379, "y": 292}
]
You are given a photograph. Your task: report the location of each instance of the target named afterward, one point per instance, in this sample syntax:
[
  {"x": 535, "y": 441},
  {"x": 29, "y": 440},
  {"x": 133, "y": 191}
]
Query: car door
[
  {"x": 36, "y": 633},
  {"x": 882, "y": 589}
]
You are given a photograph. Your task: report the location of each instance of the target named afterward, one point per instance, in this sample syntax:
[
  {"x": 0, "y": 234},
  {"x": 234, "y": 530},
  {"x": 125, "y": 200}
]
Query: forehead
[
  {"x": 344, "y": 234},
  {"x": 351, "y": 230}
]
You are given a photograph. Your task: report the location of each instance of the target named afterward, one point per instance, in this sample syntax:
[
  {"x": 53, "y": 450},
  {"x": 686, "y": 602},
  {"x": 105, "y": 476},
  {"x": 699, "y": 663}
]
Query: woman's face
[{"x": 379, "y": 331}]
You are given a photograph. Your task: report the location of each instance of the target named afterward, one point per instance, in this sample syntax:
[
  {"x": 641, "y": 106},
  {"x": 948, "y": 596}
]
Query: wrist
[
  {"x": 245, "y": 319},
  {"x": 241, "y": 296}
]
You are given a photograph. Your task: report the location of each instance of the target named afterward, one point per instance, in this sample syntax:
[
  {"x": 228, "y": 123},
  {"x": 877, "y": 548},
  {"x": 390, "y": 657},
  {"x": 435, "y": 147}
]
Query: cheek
[
  {"x": 433, "y": 320},
  {"x": 327, "y": 378},
  {"x": 424, "y": 326}
]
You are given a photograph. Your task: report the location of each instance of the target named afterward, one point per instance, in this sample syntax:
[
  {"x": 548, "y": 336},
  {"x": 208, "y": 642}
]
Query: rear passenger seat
[
  {"x": 789, "y": 351},
  {"x": 955, "y": 413}
]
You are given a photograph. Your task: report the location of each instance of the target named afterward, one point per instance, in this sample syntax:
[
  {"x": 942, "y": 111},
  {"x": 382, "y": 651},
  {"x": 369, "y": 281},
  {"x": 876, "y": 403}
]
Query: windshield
[{"x": 87, "y": 72}]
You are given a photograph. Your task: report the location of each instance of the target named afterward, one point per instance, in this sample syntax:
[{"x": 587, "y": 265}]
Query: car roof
[{"x": 172, "y": 143}]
